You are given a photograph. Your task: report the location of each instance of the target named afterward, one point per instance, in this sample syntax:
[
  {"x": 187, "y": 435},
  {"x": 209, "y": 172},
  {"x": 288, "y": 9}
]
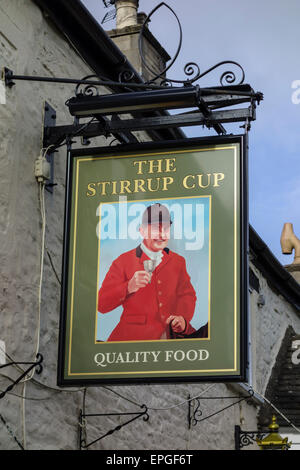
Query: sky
[{"x": 264, "y": 38}]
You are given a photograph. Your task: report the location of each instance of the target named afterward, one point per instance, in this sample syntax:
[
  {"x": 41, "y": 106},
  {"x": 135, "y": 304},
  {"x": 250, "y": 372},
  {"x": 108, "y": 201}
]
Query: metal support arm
[
  {"x": 82, "y": 424},
  {"x": 37, "y": 364},
  {"x": 54, "y": 135}
]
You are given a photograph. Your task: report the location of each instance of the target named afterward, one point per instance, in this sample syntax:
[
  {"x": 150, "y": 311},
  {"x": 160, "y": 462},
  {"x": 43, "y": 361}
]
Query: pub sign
[{"x": 154, "y": 266}]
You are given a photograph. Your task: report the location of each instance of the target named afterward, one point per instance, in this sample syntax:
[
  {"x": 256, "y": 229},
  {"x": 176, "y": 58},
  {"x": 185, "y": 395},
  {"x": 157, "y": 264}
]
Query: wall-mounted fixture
[
  {"x": 32, "y": 365},
  {"x": 273, "y": 441},
  {"x": 265, "y": 440},
  {"x": 168, "y": 98}
]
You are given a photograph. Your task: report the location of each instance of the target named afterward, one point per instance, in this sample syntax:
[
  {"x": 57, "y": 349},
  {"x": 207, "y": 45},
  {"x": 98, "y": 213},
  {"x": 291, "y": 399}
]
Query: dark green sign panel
[{"x": 155, "y": 270}]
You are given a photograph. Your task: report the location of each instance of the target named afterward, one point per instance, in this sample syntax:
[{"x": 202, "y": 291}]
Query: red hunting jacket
[{"x": 146, "y": 311}]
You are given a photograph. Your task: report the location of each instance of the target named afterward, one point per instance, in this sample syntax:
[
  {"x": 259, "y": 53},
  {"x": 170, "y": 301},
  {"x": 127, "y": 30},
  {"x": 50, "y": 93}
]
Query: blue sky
[{"x": 264, "y": 37}]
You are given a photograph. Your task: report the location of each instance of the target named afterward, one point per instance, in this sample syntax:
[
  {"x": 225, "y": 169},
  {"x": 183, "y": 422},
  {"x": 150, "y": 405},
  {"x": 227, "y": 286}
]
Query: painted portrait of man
[{"x": 151, "y": 284}]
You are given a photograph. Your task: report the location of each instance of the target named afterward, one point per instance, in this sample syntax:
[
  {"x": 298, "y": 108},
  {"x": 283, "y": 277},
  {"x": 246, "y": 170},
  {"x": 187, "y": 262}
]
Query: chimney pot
[{"x": 126, "y": 13}]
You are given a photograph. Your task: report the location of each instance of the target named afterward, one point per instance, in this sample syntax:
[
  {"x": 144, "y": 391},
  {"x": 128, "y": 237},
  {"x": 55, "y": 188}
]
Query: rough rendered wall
[
  {"x": 269, "y": 324},
  {"x": 30, "y": 46},
  {"x": 48, "y": 417}
]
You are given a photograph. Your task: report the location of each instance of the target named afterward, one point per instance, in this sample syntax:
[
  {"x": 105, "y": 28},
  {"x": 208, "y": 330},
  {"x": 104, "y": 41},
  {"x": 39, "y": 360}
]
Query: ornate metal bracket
[
  {"x": 194, "y": 411},
  {"x": 8, "y": 77},
  {"x": 209, "y": 113},
  {"x": 195, "y": 414},
  {"x": 37, "y": 364},
  {"x": 49, "y": 122},
  {"x": 191, "y": 69},
  {"x": 246, "y": 438},
  {"x": 82, "y": 425}
]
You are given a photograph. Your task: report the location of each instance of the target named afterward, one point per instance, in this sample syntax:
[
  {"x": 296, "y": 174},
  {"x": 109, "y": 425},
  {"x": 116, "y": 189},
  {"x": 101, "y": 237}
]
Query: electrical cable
[
  {"x": 223, "y": 409},
  {"x": 183, "y": 402},
  {"x": 150, "y": 408},
  {"x": 138, "y": 404},
  {"x": 43, "y": 246},
  {"x": 26, "y": 398},
  {"x": 159, "y": 409},
  {"x": 121, "y": 396},
  {"x": 213, "y": 414},
  {"x": 29, "y": 377},
  {"x": 277, "y": 410},
  {"x": 43, "y": 216}
]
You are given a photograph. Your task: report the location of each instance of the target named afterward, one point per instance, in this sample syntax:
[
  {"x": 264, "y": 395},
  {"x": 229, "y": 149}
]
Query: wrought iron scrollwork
[
  {"x": 246, "y": 438},
  {"x": 163, "y": 72},
  {"x": 126, "y": 76},
  {"x": 228, "y": 76},
  {"x": 89, "y": 85},
  {"x": 195, "y": 411},
  {"x": 87, "y": 89},
  {"x": 191, "y": 69}
]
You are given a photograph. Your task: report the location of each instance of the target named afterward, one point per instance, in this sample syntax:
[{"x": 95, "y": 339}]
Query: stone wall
[
  {"x": 48, "y": 416},
  {"x": 29, "y": 45},
  {"x": 269, "y": 324}
]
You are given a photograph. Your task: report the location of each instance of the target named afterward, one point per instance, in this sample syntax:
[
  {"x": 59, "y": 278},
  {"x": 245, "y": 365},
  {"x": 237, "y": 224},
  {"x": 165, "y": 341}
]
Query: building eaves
[{"x": 96, "y": 48}]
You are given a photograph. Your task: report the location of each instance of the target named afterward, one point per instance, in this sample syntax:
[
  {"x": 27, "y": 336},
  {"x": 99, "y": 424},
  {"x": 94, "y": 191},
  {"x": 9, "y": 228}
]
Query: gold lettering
[
  {"x": 125, "y": 186},
  {"x": 201, "y": 185},
  {"x": 166, "y": 181},
  {"x": 91, "y": 188},
  {"x": 140, "y": 165},
  {"x": 114, "y": 187},
  {"x": 170, "y": 164},
  {"x": 104, "y": 184},
  {"x": 139, "y": 186},
  {"x": 155, "y": 166},
  {"x": 218, "y": 177},
  {"x": 184, "y": 182},
  {"x": 150, "y": 184}
]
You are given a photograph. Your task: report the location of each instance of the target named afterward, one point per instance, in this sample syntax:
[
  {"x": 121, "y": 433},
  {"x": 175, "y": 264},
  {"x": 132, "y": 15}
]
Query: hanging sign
[{"x": 154, "y": 270}]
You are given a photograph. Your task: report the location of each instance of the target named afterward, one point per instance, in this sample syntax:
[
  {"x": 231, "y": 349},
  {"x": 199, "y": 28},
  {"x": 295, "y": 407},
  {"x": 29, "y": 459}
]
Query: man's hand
[
  {"x": 138, "y": 280},
  {"x": 178, "y": 323}
]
